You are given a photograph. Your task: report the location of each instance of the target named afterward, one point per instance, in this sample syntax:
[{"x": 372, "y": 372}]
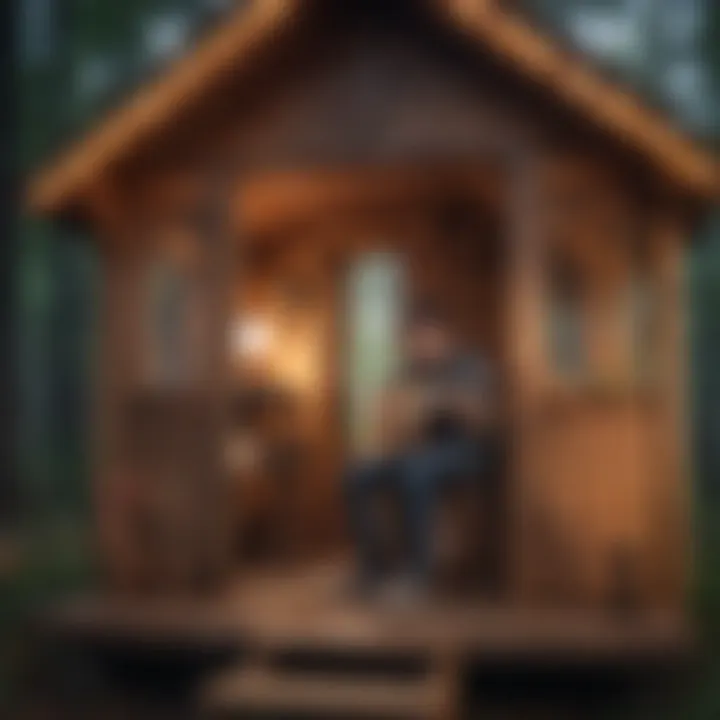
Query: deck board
[
  {"x": 259, "y": 690},
  {"x": 310, "y": 610}
]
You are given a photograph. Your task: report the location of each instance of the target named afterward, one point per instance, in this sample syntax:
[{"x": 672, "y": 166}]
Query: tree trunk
[{"x": 8, "y": 266}]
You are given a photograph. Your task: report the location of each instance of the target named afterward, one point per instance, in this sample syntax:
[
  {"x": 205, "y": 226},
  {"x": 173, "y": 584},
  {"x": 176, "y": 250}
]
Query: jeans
[{"x": 418, "y": 476}]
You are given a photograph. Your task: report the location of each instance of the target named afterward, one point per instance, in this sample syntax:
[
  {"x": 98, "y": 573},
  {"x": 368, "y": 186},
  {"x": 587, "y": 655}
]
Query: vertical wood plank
[
  {"x": 220, "y": 227},
  {"x": 671, "y": 466},
  {"x": 527, "y": 358},
  {"x": 161, "y": 489},
  {"x": 116, "y": 364}
]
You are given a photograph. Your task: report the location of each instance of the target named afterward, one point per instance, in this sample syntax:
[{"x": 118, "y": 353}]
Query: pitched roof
[{"x": 503, "y": 32}]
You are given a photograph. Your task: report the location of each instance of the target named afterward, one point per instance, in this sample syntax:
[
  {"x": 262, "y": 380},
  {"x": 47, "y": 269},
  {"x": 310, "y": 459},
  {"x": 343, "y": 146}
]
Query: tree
[{"x": 8, "y": 265}]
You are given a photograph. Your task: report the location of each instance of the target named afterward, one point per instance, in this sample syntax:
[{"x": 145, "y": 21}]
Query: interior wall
[{"x": 298, "y": 288}]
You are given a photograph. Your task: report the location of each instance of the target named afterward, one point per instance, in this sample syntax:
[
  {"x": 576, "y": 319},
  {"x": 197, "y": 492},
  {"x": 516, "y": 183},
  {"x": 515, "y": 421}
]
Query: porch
[
  {"x": 270, "y": 302},
  {"x": 308, "y": 608},
  {"x": 300, "y": 643}
]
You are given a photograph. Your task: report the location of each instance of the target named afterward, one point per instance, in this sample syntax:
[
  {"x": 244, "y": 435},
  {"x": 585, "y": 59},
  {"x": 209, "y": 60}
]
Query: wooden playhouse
[{"x": 260, "y": 213}]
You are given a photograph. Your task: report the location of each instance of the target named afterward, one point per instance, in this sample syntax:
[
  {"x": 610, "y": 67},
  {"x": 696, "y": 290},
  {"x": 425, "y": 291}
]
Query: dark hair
[{"x": 425, "y": 312}]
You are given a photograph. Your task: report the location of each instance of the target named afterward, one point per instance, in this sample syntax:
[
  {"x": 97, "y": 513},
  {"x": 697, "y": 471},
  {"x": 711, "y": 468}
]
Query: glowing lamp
[{"x": 251, "y": 338}]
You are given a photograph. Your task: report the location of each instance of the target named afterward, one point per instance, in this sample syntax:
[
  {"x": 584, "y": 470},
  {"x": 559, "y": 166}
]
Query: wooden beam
[
  {"x": 671, "y": 457},
  {"x": 117, "y": 364},
  {"x": 567, "y": 77},
  {"x": 153, "y": 107},
  {"x": 487, "y": 22},
  {"x": 276, "y": 200},
  {"x": 219, "y": 291},
  {"x": 526, "y": 356}
]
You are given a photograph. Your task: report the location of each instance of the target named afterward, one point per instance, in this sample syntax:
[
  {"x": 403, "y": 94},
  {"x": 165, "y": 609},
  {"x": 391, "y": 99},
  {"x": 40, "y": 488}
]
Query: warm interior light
[{"x": 251, "y": 338}]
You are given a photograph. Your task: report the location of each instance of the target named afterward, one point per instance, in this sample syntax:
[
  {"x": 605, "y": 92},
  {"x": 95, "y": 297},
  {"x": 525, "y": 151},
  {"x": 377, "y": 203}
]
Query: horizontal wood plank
[{"x": 262, "y": 690}]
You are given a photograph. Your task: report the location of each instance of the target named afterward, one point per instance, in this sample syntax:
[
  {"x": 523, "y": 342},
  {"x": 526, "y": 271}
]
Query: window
[
  {"x": 168, "y": 320},
  {"x": 376, "y": 287},
  {"x": 568, "y": 340},
  {"x": 642, "y": 318},
  {"x": 642, "y": 309}
]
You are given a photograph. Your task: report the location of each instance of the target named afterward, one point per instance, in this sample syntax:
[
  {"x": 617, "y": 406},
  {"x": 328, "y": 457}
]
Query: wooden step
[{"x": 272, "y": 692}]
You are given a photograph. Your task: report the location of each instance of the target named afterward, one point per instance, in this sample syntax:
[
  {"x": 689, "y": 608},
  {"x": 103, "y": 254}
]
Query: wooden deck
[{"x": 310, "y": 610}]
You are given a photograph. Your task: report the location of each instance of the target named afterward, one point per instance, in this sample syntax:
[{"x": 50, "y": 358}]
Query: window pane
[
  {"x": 567, "y": 320},
  {"x": 642, "y": 319},
  {"x": 375, "y": 307},
  {"x": 168, "y": 325}
]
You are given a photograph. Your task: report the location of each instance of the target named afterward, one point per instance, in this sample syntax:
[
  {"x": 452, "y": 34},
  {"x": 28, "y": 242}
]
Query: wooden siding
[
  {"x": 589, "y": 523},
  {"x": 597, "y": 484}
]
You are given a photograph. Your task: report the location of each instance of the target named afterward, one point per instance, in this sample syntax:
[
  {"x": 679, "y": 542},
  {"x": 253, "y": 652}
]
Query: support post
[
  {"x": 219, "y": 229},
  {"x": 527, "y": 356},
  {"x": 116, "y": 366},
  {"x": 670, "y": 448}
]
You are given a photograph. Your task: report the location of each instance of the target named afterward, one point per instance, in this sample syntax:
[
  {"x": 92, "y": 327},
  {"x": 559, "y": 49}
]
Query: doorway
[{"x": 327, "y": 297}]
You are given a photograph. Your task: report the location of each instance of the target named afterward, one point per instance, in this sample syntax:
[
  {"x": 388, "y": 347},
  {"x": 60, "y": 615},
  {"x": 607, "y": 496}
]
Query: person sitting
[{"x": 431, "y": 426}]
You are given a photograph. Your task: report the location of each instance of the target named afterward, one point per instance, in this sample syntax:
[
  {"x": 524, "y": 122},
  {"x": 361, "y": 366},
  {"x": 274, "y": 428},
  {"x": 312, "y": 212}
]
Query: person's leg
[
  {"x": 488, "y": 492},
  {"x": 362, "y": 483},
  {"x": 422, "y": 474}
]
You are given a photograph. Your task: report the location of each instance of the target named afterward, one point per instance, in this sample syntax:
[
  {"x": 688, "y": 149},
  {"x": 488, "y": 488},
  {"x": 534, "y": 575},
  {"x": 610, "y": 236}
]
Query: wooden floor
[{"x": 310, "y": 609}]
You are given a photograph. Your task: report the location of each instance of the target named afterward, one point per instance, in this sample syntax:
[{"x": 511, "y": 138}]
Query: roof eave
[
  {"x": 680, "y": 161},
  {"x": 68, "y": 177}
]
